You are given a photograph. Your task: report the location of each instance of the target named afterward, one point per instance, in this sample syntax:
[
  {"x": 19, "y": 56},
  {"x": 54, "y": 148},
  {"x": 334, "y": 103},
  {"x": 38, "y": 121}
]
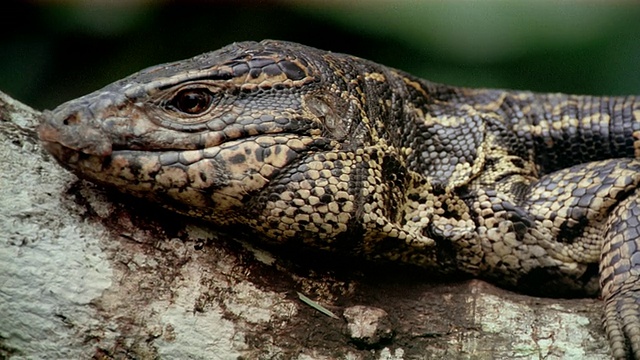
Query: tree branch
[{"x": 86, "y": 273}]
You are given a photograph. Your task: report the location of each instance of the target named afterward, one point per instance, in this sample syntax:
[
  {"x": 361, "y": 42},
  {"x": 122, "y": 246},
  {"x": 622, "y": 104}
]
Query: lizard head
[{"x": 273, "y": 135}]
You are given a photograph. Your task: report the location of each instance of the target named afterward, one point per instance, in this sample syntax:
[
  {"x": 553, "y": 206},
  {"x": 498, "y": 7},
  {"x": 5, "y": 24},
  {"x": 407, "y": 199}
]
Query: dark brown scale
[
  {"x": 240, "y": 68},
  {"x": 291, "y": 70},
  {"x": 260, "y": 63},
  {"x": 272, "y": 70}
]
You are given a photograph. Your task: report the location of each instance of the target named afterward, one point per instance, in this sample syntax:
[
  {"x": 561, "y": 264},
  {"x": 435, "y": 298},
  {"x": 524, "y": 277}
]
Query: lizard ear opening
[{"x": 332, "y": 113}]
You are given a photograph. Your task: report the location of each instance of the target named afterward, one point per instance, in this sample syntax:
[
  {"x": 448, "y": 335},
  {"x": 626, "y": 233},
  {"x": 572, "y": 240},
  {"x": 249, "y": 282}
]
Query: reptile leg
[
  {"x": 620, "y": 279},
  {"x": 604, "y": 196},
  {"x": 569, "y": 219}
]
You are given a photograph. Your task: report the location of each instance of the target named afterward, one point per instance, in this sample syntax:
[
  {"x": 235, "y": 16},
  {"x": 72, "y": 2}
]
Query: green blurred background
[{"x": 54, "y": 51}]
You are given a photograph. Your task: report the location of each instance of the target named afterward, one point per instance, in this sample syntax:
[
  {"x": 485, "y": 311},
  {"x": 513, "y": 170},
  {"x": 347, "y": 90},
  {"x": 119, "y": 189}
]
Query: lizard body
[{"x": 532, "y": 191}]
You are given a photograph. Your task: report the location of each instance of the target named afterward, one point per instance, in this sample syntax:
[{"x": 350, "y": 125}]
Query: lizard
[{"x": 531, "y": 191}]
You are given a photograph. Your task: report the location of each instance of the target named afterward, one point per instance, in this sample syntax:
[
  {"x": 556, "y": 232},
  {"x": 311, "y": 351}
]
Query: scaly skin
[{"x": 531, "y": 191}]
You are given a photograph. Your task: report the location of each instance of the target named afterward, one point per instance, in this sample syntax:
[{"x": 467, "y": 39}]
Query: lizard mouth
[{"x": 69, "y": 158}]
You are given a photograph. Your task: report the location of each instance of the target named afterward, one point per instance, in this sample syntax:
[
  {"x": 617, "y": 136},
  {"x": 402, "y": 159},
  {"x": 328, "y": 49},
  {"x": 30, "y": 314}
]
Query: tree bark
[{"x": 88, "y": 273}]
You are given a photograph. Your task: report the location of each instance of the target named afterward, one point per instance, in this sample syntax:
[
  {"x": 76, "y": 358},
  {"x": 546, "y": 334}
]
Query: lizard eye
[{"x": 192, "y": 101}]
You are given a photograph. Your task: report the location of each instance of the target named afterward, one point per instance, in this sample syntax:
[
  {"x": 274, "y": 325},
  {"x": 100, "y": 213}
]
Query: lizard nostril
[{"x": 70, "y": 120}]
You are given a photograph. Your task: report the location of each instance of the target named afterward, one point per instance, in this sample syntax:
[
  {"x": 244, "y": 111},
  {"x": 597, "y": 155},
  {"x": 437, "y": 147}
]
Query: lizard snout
[{"x": 72, "y": 130}]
